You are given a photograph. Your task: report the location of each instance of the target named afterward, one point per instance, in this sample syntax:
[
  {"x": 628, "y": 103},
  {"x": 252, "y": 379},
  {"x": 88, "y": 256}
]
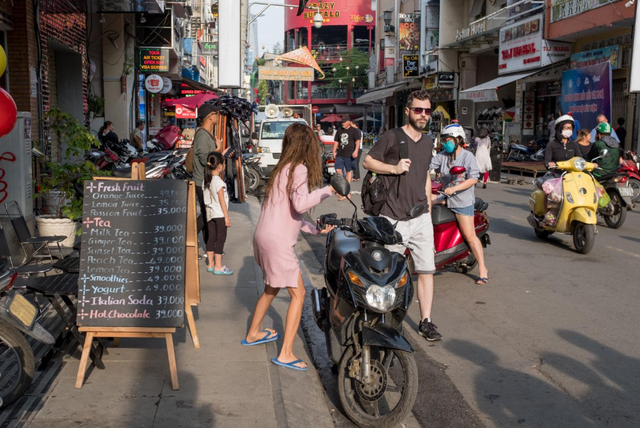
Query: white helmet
[
  {"x": 453, "y": 130},
  {"x": 565, "y": 118}
]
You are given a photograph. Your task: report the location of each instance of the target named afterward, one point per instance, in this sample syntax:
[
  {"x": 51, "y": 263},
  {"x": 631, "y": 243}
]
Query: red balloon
[{"x": 8, "y": 113}]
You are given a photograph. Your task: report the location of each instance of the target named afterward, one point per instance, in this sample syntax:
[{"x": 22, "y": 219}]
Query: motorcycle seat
[
  {"x": 480, "y": 205},
  {"x": 538, "y": 182},
  {"x": 441, "y": 214},
  {"x": 342, "y": 242}
]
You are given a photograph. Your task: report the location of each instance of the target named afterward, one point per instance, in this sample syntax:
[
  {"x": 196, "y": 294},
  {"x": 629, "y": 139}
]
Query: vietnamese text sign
[
  {"x": 523, "y": 48},
  {"x": 586, "y": 92},
  {"x": 132, "y": 264},
  {"x": 411, "y": 65},
  {"x": 481, "y": 96},
  {"x": 154, "y": 59},
  {"x": 596, "y": 56},
  {"x": 304, "y": 74}
]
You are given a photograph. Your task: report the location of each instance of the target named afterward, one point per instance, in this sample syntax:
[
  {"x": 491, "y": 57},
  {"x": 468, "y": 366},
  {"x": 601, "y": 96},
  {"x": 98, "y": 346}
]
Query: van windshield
[{"x": 274, "y": 130}]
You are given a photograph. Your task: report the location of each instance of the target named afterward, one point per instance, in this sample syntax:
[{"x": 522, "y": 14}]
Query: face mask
[
  {"x": 567, "y": 133},
  {"x": 449, "y": 146}
]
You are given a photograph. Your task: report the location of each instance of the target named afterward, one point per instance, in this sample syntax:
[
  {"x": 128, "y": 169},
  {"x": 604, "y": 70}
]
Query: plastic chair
[{"x": 39, "y": 243}]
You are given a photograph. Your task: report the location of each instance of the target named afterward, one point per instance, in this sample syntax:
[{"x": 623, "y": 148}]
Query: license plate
[
  {"x": 22, "y": 310},
  {"x": 331, "y": 170},
  {"x": 626, "y": 191}
]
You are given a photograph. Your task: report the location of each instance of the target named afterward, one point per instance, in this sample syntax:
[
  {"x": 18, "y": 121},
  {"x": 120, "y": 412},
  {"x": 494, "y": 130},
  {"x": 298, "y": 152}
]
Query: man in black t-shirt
[
  {"x": 402, "y": 157},
  {"x": 345, "y": 149}
]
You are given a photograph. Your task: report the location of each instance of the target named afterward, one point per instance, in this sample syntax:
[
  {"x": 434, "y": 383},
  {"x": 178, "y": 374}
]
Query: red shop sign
[{"x": 183, "y": 112}]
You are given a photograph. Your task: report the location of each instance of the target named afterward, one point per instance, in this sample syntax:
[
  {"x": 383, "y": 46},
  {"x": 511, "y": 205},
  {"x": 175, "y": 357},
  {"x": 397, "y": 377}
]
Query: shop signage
[
  {"x": 154, "y": 60},
  {"x": 333, "y": 12},
  {"x": 389, "y": 51},
  {"x": 409, "y": 32},
  {"x": 411, "y": 65},
  {"x": 561, "y": 9},
  {"x": 482, "y": 96},
  {"x": 472, "y": 30},
  {"x": 389, "y": 62},
  {"x": 586, "y": 92},
  {"x": 446, "y": 78},
  {"x": 301, "y": 74},
  {"x": 523, "y": 48},
  {"x": 430, "y": 82},
  {"x": 596, "y": 56},
  {"x": 167, "y": 85},
  {"x": 153, "y": 83},
  {"x": 209, "y": 48},
  {"x": 184, "y": 112}
]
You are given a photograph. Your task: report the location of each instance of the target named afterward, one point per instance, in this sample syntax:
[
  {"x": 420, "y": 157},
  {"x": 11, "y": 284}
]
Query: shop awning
[
  {"x": 198, "y": 85},
  {"x": 381, "y": 93},
  {"x": 486, "y": 92}
]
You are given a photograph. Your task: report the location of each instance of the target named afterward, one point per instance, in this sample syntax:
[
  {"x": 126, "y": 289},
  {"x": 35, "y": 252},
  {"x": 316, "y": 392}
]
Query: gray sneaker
[{"x": 428, "y": 331}]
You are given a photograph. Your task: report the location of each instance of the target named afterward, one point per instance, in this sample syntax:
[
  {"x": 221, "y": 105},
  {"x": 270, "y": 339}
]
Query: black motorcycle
[
  {"x": 253, "y": 175},
  {"x": 18, "y": 316},
  {"x": 368, "y": 293}
]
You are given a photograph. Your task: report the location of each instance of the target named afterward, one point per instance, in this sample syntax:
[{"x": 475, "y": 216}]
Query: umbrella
[
  {"x": 369, "y": 118},
  {"x": 194, "y": 101},
  {"x": 332, "y": 118}
]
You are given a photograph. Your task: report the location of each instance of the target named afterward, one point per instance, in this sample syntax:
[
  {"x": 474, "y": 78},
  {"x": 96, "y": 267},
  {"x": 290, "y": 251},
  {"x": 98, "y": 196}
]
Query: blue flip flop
[
  {"x": 266, "y": 339},
  {"x": 289, "y": 365}
]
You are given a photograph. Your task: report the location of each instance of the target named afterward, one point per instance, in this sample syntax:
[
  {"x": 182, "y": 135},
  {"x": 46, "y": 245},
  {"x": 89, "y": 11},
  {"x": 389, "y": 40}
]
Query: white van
[{"x": 270, "y": 134}]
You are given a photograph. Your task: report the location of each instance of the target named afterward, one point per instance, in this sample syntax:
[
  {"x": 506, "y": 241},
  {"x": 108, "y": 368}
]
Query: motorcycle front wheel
[
  {"x": 252, "y": 178},
  {"x": 616, "y": 220},
  {"x": 388, "y": 400},
  {"x": 584, "y": 236},
  {"x": 635, "y": 185},
  {"x": 17, "y": 365}
]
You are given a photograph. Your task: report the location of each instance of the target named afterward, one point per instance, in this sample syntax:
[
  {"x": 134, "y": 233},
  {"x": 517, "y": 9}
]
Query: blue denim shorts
[
  {"x": 468, "y": 211},
  {"x": 345, "y": 164}
]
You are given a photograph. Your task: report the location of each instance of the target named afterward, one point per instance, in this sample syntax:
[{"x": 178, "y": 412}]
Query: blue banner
[
  {"x": 586, "y": 92},
  {"x": 596, "y": 56}
]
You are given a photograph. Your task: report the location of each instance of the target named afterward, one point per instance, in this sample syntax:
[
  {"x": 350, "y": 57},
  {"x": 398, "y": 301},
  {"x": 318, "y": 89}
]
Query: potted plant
[{"x": 62, "y": 183}]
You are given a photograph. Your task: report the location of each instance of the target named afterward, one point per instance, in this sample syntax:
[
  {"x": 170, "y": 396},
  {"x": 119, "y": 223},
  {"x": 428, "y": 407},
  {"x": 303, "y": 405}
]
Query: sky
[{"x": 271, "y": 24}]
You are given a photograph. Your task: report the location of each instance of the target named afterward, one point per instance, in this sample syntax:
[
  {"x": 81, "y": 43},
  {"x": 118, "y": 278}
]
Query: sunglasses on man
[{"x": 420, "y": 110}]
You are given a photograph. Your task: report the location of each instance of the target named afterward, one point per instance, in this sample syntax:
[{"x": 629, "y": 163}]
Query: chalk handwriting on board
[{"x": 132, "y": 266}]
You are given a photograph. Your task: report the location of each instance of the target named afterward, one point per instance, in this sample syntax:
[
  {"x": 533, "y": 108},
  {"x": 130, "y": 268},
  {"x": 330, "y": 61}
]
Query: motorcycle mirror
[
  {"x": 254, "y": 135},
  {"x": 416, "y": 211},
  {"x": 340, "y": 185},
  {"x": 457, "y": 170},
  {"x": 604, "y": 153}
]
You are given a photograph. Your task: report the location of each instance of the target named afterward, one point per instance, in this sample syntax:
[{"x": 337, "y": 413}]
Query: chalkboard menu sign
[{"x": 132, "y": 264}]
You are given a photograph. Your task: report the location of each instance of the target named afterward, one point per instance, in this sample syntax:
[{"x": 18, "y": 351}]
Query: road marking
[{"x": 624, "y": 251}]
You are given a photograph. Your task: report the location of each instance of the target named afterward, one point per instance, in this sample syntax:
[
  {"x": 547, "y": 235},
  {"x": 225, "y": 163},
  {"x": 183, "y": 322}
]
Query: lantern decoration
[{"x": 8, "y": 107}]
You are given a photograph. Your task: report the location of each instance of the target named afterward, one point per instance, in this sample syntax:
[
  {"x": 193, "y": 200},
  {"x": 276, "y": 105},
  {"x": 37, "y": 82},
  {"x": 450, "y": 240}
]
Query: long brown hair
[{"x": 299, "y": 146}]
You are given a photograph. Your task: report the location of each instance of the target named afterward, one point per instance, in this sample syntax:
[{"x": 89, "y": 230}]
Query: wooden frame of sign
[{"x": 191, "y": 275}]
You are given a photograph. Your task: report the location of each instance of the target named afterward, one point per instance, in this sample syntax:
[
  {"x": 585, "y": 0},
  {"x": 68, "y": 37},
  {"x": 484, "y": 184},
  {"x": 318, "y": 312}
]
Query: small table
[
  {"x": 68, "y": 265},
  {"x": 64, "y": 287}
]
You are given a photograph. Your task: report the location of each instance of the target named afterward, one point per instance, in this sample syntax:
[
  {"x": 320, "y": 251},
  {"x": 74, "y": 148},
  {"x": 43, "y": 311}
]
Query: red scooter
[
  {"x": 629, "y": 165},
  {"x": 451, "y": 248}
]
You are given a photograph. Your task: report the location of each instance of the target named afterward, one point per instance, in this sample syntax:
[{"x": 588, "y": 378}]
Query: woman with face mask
[
  {"x": 561, "y": 147},
  {"x": 460, "y": 188}
]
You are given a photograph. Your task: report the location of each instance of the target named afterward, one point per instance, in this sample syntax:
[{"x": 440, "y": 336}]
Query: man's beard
[{"x": 414, "y": 124}]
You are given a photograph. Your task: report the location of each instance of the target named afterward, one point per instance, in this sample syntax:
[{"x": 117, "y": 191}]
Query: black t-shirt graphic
[{"x": 346, "y": 139}]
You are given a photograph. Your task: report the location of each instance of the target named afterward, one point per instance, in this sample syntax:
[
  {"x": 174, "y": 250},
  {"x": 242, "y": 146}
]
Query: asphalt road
[{"x": 551, "y": 341}]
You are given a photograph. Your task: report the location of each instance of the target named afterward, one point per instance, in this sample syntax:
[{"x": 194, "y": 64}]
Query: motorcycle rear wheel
[
  {"x": 616, "y": 220},
  {"x": 368, "y": 413},
  {"x": 17, "y": 364},
  {"x": 584, "y": 236},
  {"x": 252, "y": 178}
]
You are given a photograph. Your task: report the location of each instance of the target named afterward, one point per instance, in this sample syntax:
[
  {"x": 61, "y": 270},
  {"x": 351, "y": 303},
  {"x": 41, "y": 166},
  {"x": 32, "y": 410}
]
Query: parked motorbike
[
  {"x": 18, "y": 316},
  {"x": 577, "y": 212},
  {"x": 630, "y": 165},
  {"x": 165, "y": 139},
  {"x": 361, "y": 310},
  {"x": 328, "y": 165},
  {"x": 520, "y": 153},
  {"x": 252, "y": 172}
]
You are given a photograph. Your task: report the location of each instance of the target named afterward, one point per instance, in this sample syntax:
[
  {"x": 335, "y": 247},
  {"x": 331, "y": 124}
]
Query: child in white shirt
[{"x": 216, "y": 200}]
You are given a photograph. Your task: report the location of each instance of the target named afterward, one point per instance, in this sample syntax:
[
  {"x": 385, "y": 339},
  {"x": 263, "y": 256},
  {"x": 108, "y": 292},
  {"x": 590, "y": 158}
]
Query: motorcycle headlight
[
  {"x": 381, "y": 298},
  {"x": 579, "y": 164}
]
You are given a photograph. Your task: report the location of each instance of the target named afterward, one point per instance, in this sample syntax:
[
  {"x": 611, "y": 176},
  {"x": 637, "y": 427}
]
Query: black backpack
[{"x": 375, "y": 189}]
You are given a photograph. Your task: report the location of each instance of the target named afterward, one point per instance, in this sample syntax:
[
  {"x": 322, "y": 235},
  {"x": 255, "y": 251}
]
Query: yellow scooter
[{"x": 576, "y": 212}]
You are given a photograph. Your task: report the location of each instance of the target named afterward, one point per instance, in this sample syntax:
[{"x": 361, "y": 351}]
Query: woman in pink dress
[{"x": 287, "y": 198}]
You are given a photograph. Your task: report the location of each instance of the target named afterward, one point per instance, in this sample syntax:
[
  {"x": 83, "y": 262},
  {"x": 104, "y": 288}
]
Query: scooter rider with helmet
[
  {"x": 561, "y": 147},
  {"x": 604, "y": 140},
  {"x": 460, "y": 188}
]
